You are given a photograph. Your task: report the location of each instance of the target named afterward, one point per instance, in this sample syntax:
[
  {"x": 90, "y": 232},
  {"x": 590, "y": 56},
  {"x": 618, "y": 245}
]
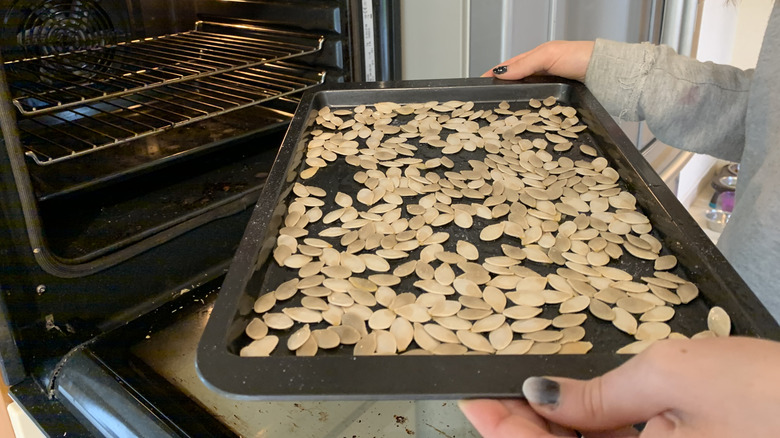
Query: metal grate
[
  {"x": 76, "y": 131},
  {"x": 55, "y": 82}
]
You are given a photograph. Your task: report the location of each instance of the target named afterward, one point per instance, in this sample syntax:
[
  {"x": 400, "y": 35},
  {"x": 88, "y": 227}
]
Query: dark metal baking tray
[{"x": 338, "y": 374}]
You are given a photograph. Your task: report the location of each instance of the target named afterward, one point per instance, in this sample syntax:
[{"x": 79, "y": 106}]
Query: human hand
[
  {"x": 724, "y": 387},
  {"x": 568, "y": 59}
]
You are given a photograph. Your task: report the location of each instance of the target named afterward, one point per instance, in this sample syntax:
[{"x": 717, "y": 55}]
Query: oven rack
[
  {"x": 71, "y": 133},
  {"x": 55, "y": 82}
]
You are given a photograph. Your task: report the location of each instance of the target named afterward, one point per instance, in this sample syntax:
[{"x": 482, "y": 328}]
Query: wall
[{"x": 752, "y": 18}]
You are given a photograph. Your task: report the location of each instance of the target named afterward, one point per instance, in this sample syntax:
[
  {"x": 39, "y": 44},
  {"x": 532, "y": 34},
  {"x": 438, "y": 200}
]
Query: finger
[
  {"x": 522, "y": 409},
  {"x": 632, "y": 393},
  {"x": 661, "y": 426},
  {"x": 522, "y": 66},
  {"x": 495, "y": 71},
  {"x": 499, "y": 419},
  {"x": 563, "y": 432}
]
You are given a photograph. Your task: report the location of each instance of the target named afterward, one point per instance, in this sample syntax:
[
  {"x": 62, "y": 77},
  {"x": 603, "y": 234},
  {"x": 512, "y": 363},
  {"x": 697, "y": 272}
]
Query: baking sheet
[{"x": 337, "y": 374}]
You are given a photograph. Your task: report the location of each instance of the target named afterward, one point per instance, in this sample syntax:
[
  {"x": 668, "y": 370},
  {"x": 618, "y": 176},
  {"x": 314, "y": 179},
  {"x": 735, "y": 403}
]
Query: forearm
[{"x": 688, "y": 104}]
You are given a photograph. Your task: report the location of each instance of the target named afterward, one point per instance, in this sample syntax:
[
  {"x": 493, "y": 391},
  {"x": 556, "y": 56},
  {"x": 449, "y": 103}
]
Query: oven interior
[
  {"x": 130, "y": 128},
  {"x": 136, "y": 137}
]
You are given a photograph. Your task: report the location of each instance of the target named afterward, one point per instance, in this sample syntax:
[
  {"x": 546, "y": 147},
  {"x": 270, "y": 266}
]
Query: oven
[{"x": 137, "y": 135}]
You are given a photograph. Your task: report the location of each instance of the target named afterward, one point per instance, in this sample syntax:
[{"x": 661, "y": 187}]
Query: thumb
[{"x": 622, "y": 397}]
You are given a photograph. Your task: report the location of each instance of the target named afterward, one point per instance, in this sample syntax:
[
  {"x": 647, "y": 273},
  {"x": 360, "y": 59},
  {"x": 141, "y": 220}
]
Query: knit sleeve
[{"x": 692, "y": 105}]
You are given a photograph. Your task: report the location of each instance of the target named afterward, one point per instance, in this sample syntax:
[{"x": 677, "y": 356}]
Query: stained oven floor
[{"x": 171, "y": 353}]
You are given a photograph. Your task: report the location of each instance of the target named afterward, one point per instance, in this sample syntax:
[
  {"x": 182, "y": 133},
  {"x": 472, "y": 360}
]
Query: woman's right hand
[{"x": 568, "y": 59}]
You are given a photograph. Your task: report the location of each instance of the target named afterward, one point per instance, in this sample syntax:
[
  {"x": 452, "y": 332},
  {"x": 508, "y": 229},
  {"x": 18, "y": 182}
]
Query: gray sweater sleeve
[{"x": 692, "y": 105}]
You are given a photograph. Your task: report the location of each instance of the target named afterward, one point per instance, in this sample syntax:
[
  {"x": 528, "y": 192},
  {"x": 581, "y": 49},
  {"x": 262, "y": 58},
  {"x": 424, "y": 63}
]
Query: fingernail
[
  {"x": 501, "y": 69},
  {"x": 541, "y": 391}
]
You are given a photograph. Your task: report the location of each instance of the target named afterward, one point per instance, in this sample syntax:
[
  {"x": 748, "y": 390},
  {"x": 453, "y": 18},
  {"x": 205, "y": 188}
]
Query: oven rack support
[
  {"x": 75, "y": 132},
  {"x": 52, "y": 83}
]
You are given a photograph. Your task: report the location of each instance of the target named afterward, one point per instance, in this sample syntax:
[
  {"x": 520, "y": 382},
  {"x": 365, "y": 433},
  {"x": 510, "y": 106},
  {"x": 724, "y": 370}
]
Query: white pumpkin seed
[
  {"x": 719, "y": 322},
  {"x": 575, "y": 304},
  {"x": 256, "y": 329},
  {"x": 475, "y": 341},
  {"x": 634, "y": 305},
  {"x": 403, "y": 332},
  {"x": 385, "y": 343},
  {"x": 579, "y": 347},
  {"x": 569, "y": 320},
  {"x": 652, "y": 331},
  {"x": 665, "y": 263},
  {"x": 635, "y": 347},
  {"x": 687, "y": 292},
  {"x": 624, "y": 321},
  {"x": 544, "y": 348},
  {"x": 658, "y": 314},
  {"x": 366, "y": 346},
  {"x": 260, "y": 348}
]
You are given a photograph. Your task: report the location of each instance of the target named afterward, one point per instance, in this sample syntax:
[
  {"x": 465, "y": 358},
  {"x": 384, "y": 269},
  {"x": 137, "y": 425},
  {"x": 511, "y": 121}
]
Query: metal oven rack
[{"x": 80, "y": 102}]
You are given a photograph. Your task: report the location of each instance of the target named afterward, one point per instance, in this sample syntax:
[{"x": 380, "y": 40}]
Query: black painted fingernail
[
  {"x": 541, "y": 391},
  {"x": 501, "y": 69}
]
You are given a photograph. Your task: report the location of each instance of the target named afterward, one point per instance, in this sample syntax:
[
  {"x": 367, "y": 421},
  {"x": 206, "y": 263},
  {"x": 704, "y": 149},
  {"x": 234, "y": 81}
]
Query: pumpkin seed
[
  {"x": 256, "y": 329},
  {"x": 666, "y": 262},
  {"x": 260, "y": 348},
  {"x": 405, "y": 269},
  {"x": 624, "y": 321},
  {"x": 706, "y": 334},
  {"x": 385, "y": 343},
  {"x": 302, "y": 314},
  {"x": 423, "y": 339},
  {"x": 450, "y": 350},
  {"x": 414, "y": 313},
  {"x": 574, "y": 304},
  {"x": 687, "y": 292},
  {"x": 569, "y": 320},
  {"x": 635, "y": 347},
  {"x": 530, "y": 325},
  {"x": 488, "y": 324},
  {"x": 495, "y": 298},
  {"x": 665, "y": 294},
  {"x": 492, "y": 232},
  {"x": 501, "y": 337},
  {"x": 571, "y": 334},
  {"x": 347, "y": 335},
  {"x": 544, "y": 348},
  {"x": 652, "y": 331},
  {"x": 440, "y": 333},
  {"x": 719, "y": 322},
  {"x": 634, "y": 305},
  {"x": 579, "y": 347},
  {"x": 658, "y": 314},
  {"x": 475, "y": 341},
  {"x": 381, "y": 319},
  {"x": 366, "y": 346},
  {"x": 520, "y": 346},
  {"x": 278, "y": 321},
  {"x": 544, "y": 336},
  {"x": 267, "y": 301},
  {"x": 326, "y": 338},
  {"x": 403, "y": 331}
]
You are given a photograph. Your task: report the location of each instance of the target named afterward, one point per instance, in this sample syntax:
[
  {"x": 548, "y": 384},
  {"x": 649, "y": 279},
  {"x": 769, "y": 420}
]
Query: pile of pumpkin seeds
[{"x": 392, "y": 264}]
